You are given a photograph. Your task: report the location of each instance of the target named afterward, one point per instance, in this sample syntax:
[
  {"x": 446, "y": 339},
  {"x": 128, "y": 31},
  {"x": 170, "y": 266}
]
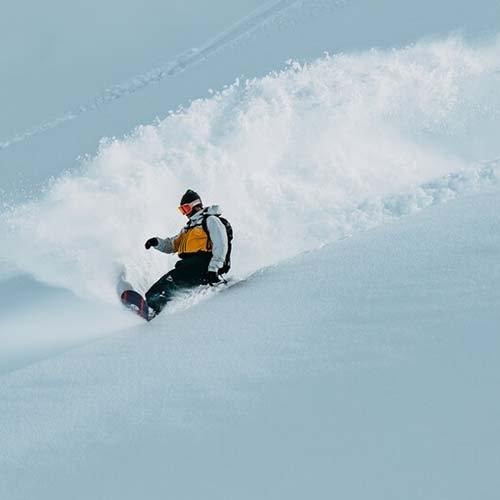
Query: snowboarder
[{"x": 203, "y": 245}]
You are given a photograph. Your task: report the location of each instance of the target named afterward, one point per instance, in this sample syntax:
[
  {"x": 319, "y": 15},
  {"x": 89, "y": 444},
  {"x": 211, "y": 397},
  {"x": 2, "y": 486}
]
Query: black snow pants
[{"x": 189, "y": 272}]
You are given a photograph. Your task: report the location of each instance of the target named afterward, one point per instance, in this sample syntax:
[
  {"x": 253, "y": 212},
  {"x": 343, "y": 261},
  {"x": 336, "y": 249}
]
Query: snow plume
[{"x": 296, "y": 159}]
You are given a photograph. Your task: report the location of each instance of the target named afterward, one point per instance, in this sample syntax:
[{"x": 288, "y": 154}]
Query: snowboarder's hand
[
  {"x": 152, "y": 242},
  {"x": 211, "y": 278}
]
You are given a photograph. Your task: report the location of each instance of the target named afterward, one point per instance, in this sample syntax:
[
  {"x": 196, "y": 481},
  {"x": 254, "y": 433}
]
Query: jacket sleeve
[
  {"x": 218, "y": 236},
  {"x": 167, "y": 245}
]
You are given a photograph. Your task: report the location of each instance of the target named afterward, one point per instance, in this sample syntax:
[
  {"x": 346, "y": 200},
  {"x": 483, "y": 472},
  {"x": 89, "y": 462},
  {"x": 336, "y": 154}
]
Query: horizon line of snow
[{"x": 178, "y": 64}]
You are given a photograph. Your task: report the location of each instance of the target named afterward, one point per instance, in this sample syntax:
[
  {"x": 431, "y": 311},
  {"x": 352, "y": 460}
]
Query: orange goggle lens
[{"x": 187, "y": 208}]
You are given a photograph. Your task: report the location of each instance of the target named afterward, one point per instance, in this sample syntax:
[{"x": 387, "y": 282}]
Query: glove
[
  {"x": 152, "y": 242},
  {"x": 211, "y": 278}
]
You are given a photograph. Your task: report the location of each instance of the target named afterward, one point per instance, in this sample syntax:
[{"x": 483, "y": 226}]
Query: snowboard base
[{"x": 135, "y": 302}]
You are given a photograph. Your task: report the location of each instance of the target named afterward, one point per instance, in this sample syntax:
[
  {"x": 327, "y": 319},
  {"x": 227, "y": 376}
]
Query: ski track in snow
[{"x": 242, "y": 29}]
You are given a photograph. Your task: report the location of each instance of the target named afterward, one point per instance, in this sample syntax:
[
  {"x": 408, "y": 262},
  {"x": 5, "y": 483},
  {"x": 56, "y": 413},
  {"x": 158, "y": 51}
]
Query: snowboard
[{"x": 135, "y": 302}]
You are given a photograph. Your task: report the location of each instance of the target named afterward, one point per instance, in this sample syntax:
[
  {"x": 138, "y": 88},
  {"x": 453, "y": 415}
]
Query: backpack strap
[{"x": 204, "y": 226}]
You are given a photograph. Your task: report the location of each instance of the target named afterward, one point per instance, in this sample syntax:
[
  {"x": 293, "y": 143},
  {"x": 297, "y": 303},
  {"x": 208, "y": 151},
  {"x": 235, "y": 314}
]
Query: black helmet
[{"x": 189, "y": 196}]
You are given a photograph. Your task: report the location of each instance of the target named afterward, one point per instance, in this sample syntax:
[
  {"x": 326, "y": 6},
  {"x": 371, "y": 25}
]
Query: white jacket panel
[{"x": 218, "y": 237}]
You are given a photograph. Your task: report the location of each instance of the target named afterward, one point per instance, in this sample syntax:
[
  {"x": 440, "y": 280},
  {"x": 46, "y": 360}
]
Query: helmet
[
  {"x": 189, "y": 196},
  {"x": 189, "y": 200}
]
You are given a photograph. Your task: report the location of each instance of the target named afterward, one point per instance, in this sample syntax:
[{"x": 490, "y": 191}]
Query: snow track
[{"x": 272, "y": 12}]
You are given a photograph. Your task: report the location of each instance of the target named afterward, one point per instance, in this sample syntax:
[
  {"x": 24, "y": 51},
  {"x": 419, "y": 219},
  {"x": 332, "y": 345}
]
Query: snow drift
[{"x": 296, "y": 159}]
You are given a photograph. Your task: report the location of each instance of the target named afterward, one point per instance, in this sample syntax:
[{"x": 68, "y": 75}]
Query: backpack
[{"x": 229, "y": 230}]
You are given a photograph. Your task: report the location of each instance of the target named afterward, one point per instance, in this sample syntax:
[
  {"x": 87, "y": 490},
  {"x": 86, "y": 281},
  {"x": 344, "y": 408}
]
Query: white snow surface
[
  {"x": 355, "y": 354},
  {"x": 366, "y": 369}
]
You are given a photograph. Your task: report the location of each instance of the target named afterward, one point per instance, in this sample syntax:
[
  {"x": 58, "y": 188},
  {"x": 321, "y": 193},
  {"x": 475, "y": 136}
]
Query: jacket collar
[{"x": 198, "y": 216}]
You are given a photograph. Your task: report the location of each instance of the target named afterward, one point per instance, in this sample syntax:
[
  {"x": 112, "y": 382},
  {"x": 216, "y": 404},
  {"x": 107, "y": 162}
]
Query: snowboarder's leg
[
  {"x": 188, "y": 273},
  {"x": 161, "y": 292}
]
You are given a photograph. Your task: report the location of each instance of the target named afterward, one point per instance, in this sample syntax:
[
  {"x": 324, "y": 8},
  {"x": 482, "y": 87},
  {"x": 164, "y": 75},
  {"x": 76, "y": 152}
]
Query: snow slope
[
  {"x": 358, "y": 355},
  {"x": 369, "y": 370}
]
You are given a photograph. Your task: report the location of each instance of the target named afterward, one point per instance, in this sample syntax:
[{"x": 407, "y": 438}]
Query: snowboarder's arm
[
  {"x": 167, "y": 245},
  {"x": 218, "y": 236}
]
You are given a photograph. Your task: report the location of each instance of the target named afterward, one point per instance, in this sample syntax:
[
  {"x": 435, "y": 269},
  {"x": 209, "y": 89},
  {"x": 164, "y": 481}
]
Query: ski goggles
[{"x": 187, "y": 208}]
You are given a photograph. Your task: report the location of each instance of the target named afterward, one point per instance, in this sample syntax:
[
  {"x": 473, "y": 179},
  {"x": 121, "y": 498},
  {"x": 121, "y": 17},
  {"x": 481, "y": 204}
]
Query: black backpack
[{"x": 229, "y": 230}]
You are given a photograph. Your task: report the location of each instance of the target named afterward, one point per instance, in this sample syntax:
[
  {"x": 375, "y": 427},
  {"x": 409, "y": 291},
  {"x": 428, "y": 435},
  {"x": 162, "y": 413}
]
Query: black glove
[
  {"x": 152, "y": 242},
  {"x": 211, "y": 278}
]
